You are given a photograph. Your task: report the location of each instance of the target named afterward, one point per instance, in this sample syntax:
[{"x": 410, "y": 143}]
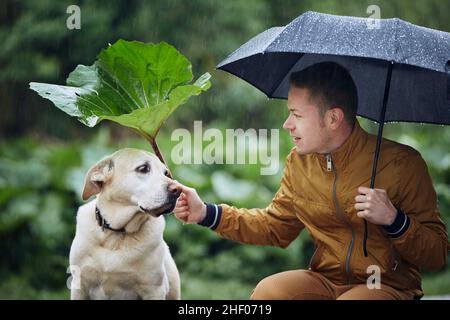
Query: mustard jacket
[{"x": 317, "y": 194}]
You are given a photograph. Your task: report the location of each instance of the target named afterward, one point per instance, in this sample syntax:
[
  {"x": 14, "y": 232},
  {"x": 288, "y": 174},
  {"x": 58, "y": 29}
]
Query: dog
[{"x": 118, "y": 251}]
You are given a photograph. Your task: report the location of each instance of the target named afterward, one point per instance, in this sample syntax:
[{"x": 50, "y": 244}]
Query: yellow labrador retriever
[{"x": 118, "y": 248}]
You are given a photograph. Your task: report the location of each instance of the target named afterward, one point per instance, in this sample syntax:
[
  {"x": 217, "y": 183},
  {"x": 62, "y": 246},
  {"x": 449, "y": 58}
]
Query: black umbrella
[{"x": 401, "y": 71}]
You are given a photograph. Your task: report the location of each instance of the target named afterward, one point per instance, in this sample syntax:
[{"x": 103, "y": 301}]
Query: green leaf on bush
[{"x": 135, "y": 84}]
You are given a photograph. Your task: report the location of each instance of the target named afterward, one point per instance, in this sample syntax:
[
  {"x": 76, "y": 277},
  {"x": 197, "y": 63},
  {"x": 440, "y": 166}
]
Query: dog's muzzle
[{"x": 165, "y": 208}]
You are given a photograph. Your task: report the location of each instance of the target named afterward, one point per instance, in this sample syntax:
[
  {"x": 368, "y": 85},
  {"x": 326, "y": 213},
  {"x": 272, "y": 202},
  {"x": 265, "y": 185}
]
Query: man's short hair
[{"x": 329, "y": 85}]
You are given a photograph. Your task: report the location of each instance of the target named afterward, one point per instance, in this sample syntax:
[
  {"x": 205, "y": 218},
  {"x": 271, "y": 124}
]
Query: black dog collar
[{"x": 104, "y": 224}]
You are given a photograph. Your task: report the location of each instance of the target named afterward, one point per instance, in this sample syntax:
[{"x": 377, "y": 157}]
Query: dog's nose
[{"x": 174, "y": 190}]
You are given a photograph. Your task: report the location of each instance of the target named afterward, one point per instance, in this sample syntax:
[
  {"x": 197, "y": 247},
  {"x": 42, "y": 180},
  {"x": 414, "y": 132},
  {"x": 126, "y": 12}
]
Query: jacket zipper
[{"x": 341, "y": 216}]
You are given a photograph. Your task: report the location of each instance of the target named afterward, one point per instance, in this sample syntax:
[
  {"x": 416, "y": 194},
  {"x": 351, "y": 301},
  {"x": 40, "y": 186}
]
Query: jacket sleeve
[
  {"x": 424, "y": 242},
  {"x": 276, "y": 225}
]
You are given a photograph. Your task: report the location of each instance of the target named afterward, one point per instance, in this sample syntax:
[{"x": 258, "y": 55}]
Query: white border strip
[
  {"x": 215, "y": 218},
  {"x": 404, "y": 223}
]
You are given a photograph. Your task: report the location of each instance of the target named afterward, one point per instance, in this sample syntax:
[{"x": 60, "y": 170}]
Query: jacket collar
[{"x": 351, "y": 147}]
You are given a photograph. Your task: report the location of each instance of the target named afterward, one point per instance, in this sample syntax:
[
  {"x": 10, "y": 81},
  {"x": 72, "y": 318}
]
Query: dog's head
[{"x": 133, "y": 177}]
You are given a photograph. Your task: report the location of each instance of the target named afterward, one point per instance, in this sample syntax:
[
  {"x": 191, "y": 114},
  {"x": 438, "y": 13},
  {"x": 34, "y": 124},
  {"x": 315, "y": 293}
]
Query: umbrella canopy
[
  {"x": 419, "y": 57},
  {"x": 401, "y": 71}
]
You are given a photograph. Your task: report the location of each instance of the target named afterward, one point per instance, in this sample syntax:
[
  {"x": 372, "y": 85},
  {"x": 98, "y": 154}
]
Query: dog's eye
[
  {"x": 145, "y": 168},
  {"x": 166, "y": 173}
]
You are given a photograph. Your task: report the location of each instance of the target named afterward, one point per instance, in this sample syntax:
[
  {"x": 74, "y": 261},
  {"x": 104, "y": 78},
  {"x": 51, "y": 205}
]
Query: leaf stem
[{"x": 159, "y": 155}]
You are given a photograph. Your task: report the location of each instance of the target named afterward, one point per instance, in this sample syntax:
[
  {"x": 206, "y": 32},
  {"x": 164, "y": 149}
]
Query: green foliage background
[{"x": 44, "y": 154}]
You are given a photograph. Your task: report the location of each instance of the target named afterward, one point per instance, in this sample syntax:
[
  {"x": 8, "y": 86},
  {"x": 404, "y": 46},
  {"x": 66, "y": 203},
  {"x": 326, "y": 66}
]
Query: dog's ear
[{"x": 96, "y": 177}]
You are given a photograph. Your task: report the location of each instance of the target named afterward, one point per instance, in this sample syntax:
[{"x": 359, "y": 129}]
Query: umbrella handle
[{"x": 378, "y": 146}]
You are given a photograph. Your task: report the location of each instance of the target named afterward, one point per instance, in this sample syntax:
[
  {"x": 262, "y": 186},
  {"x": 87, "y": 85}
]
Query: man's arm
[
  {"x": 276, "y": 225},
  {"x": 414, "y": 223},
  {"x": 423, "y": 239}
]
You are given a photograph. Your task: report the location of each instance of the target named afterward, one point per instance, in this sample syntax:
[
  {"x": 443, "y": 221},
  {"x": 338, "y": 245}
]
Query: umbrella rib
[
  {"x": 279, "y": 81},
  {"x": 396, "y": 42},
  {"x": 273, "y": 40}
]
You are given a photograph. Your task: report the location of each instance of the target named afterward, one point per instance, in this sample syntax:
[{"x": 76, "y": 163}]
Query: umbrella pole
[{"x": 378, "y": 146}]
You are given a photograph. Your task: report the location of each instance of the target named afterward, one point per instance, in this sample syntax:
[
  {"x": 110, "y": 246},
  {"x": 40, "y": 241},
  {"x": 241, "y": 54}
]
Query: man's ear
[
  {"x": 96, "y": 177},
  {"x": 336, "y": 116}
]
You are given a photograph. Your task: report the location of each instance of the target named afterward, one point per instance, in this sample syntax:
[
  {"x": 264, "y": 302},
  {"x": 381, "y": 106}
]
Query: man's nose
[{"x": 288, "y": 124}]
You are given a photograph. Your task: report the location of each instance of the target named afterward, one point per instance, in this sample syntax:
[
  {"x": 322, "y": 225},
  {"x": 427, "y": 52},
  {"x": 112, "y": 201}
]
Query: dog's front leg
[
  {"x": 154, "y": 297},
  {"x": 152, "y": 293},
  {"x": 78, "y": 294}
]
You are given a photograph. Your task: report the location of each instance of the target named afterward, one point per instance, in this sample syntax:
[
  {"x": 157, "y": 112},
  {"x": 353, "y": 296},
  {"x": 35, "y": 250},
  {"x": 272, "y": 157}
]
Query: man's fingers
[
  {"x": 181, "y": 199},
  {"x": 179, "y": 209},
  {"x": 362, "y": 206},
  {"x": 181, "y": 214},
  {"x": 183, "y": 188},
  {"x": 183, "y": 208},
  {"x": 360, "y": 198},
  {"x": 380, "y": 190},
  {"x": 363, "y": 214},
  {"x": 364, "y": 190}
]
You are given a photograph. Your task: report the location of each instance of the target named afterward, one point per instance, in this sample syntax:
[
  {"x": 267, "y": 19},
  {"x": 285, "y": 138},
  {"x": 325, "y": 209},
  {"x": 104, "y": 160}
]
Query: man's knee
[
  {"x": 265, "y": 290},
  {"x": 288, "y": 285},
  {"x": 362, "y": 292},
  {"x": 262, "y": 290}
]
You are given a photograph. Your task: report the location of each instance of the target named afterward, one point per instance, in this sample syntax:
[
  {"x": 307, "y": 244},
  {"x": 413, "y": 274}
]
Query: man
[{"x": 324, "y": 190}]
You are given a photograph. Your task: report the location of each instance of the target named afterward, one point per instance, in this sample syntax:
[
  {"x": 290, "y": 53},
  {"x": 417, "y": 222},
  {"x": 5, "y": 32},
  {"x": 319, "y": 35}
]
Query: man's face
[{"x": 305, "y": 124}]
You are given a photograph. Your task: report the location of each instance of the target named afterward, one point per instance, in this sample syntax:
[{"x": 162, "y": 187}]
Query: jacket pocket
[{"x": 380, "y": 256}]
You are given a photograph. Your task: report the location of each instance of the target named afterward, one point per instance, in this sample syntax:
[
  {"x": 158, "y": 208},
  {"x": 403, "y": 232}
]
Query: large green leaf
[{"x": 132, "y": 83}]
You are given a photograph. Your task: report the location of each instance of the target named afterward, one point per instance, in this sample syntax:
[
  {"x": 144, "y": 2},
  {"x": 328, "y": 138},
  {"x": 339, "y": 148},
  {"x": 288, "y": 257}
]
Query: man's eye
[
  {"x": 297, "y": 116},
  {"x": 145, "y": 168}
]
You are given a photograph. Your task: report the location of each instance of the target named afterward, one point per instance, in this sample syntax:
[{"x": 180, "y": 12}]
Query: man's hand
[
  {"x": 189, "y": 208},
  {"x": 374, "y": 206}
]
